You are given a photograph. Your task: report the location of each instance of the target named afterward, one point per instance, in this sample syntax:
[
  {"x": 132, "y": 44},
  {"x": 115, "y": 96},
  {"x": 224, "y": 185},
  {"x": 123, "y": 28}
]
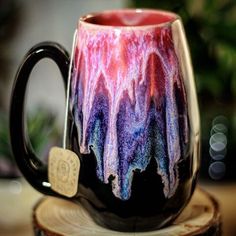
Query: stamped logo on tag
[{"x": 63, "y": 171}]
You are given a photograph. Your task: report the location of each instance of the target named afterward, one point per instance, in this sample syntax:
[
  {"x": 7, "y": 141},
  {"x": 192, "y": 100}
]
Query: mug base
[{"x": 130, "y": 224}]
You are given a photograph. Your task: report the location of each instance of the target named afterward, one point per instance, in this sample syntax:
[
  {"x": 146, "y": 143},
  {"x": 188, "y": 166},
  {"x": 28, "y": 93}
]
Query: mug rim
[{"x": 174, "y": 17}]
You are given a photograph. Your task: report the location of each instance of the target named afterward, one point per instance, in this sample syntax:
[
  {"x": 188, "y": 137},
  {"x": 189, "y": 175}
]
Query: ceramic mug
[{"x": 133, "y": 117}]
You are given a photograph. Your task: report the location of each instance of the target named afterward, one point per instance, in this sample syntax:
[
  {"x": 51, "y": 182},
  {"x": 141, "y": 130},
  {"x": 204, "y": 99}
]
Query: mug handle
[{"x": 32, "y": 168}]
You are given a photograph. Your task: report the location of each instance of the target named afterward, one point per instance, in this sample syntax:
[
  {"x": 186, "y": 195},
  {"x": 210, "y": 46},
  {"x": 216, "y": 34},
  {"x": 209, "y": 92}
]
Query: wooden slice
[{"x": 55, "y": 216}]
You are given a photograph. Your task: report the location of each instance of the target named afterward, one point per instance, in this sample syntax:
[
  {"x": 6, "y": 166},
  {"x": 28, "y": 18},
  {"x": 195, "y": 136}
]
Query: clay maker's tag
[{"x": 63, "y": 171}]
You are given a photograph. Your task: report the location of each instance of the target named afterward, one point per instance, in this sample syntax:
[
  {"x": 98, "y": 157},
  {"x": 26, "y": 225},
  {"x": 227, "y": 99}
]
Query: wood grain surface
[{"x": 55, "y": 216}]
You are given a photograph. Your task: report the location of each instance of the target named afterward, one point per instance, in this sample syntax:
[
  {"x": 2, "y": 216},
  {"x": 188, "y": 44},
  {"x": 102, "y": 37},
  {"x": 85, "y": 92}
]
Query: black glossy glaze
[
  {"x": 147, "y": 209},
  {"x": 32, "y": 168}
]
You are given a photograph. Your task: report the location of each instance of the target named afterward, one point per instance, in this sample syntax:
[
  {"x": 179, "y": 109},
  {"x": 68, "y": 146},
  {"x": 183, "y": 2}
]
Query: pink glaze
[{"x": 134, "y": 74}]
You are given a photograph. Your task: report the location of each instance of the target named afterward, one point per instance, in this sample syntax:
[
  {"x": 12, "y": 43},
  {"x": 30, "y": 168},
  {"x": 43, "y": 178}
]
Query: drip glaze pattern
[{"x": 129, "y": 104}]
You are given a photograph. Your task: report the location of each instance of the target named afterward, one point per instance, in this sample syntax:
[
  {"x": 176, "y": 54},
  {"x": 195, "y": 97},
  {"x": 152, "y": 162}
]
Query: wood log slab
[{"x": 55, "y": 216}]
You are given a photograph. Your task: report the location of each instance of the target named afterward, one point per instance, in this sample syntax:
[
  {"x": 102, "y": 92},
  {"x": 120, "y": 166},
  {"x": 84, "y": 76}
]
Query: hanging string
[{"x": 68, "y": 89}]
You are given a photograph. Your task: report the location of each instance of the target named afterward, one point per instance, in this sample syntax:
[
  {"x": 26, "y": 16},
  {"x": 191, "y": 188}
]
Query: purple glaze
[{"x": 129, "y": 103}]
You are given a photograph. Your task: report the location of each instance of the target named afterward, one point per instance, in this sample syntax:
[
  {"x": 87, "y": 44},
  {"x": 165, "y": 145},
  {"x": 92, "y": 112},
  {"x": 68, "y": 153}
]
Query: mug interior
[{"x": 130, "y": 17}]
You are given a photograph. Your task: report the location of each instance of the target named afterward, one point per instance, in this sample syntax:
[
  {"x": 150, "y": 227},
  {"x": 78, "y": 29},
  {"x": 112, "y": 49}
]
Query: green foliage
[
  {"x": 42, "y": 130},
  {"x": 5, "y": 150},
  {"x": 211, "y": 32}
]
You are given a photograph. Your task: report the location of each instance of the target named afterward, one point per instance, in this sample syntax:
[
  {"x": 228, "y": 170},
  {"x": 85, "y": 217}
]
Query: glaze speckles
[{"x": 129, "y": 104}]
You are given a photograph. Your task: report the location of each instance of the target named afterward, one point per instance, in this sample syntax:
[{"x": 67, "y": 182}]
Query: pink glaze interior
[{"x": 130, "y": 18}]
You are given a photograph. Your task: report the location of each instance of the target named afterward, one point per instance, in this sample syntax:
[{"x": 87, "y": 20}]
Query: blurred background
[{"x": 210, "y": 27}]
